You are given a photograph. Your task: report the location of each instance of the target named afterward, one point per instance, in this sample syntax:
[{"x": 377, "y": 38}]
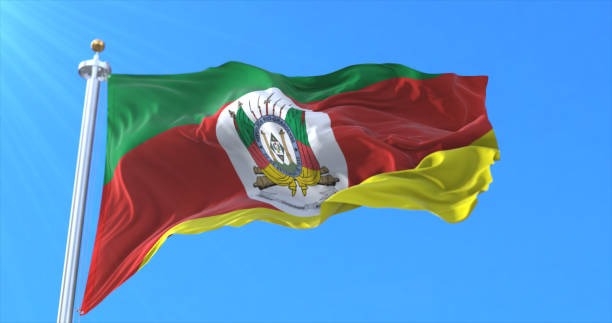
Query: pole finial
[{"x": 97, "y": 45}]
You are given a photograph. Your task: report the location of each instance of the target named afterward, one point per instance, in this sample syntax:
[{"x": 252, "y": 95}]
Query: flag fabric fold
[{"x": 190, "y": 153}]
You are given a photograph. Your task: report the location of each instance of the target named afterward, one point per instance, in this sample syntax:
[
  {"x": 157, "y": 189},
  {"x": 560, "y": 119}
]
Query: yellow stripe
[{"x": 445, "y": 183}]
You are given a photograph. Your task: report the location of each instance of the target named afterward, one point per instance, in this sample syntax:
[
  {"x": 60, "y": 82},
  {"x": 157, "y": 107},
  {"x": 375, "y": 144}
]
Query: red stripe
[
  {"x": 305, "y": 159},
  {"x": 392, "y": 125},
  {"x": 184, "y": 173},
  {"x": 259, "y": 158},
  {"x": 178, "y": 175},
  {"x": 308, "y": 158}
]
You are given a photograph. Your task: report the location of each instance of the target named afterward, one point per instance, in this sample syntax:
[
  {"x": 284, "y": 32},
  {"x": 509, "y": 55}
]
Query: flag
[{"x": 229, "y": 145}]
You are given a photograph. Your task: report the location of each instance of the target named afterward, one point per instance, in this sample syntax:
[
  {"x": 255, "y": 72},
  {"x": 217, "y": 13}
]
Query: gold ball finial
[{"x": 97, "y": 45}]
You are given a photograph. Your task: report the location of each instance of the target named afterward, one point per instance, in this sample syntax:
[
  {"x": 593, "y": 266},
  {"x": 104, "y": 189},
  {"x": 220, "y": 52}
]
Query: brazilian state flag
[{"x": 233, "y": 144}]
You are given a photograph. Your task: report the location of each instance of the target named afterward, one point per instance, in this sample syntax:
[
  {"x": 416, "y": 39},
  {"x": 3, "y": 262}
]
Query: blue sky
[{"x": 537, "y": 248}]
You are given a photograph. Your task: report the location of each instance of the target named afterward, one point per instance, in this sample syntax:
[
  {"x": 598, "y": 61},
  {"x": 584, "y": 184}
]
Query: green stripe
[
  {"x": 143, "y": 106},
  {"x": 246, "y": 127},
  {"x": 294, "y": 121}
]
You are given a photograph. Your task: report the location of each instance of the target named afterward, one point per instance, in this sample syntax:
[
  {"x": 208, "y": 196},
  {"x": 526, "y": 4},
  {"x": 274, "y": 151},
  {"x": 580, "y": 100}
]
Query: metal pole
[{"x": 93, "y": 71}]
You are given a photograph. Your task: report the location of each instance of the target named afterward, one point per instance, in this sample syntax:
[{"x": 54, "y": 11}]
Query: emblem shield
[{"x": 284, "y": 154}]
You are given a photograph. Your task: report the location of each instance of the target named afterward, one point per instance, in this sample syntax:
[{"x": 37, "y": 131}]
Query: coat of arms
[{"x": 277, "y": 141}]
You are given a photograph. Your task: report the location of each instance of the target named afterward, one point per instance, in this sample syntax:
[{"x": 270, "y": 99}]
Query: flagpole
[{"x": 94, "y": 71}]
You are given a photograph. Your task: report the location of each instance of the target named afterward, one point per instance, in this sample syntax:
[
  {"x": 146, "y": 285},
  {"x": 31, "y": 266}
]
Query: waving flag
[{"x": 193, "y": 152}]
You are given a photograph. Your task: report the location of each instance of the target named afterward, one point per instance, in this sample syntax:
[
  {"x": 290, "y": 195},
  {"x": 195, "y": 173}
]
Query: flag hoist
[{"x": 94, "y": 71}]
